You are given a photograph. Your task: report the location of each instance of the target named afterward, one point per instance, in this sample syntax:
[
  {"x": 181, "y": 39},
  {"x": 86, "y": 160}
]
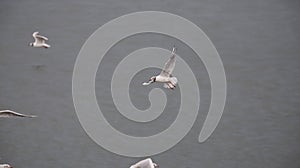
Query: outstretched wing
[
  {"x": 35, "y": 33},
  {"x": 169, "y": 66},
  {"x": 9, "y": 113},
  {"x": 39, "y": 37}
]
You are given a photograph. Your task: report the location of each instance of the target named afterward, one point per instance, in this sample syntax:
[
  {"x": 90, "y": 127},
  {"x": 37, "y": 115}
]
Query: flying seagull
[
  {"x": 9, "y": 113},
  {"x": 165, "y": 75},
  {"x": 147, "y": 163},
  {"x": 40, "y": 41},
  {"x": 5, "y": 166}
]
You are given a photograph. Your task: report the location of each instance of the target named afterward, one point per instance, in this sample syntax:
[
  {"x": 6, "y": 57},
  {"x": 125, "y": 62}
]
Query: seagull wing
[
  {"x": 169, "y": 66},
  {"x": 38, "y": 37},
  {"x": 35, "y": 33},
  {"x": 38, "y": 40},
  {"x": 41, "y": 37},
  {"x": 147, "y": 163},
  {"x": 9, "y": 113}
]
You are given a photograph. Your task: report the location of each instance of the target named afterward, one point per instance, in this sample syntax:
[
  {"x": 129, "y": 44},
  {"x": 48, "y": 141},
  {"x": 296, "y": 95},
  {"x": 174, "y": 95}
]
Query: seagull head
[
  {"x": 174, "y": 50},
  {"x": 152, "y": 79},
  {"x": 155, "y": 165},
  {"x": 31, "y": 44}
]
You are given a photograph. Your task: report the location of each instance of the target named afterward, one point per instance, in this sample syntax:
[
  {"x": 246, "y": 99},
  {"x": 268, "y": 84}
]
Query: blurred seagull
[
  {"x": 165, "y": 75},
  {"x": 9, "y": 113},
  {"x": 40, "y": 41},
  {"x": 147, "y": 163},
  {"x": 5, "y": 166}
]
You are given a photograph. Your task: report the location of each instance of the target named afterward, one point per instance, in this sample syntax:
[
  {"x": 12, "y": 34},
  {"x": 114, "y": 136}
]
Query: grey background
[{"x": 258, "y": 42}]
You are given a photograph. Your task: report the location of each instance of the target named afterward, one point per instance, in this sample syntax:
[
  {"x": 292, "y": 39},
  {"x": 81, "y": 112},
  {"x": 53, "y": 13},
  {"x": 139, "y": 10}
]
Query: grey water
[{"x": 258, "y": 42}]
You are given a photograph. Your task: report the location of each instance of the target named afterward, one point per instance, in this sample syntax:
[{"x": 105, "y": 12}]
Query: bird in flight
[
  {"x": 5, "y": 166},
  {"x": 39, "y": 41},
  {"x": 165, "y": 75},
  {"x": 147, "y": 163},
  {"x": 10, "y": 114}
]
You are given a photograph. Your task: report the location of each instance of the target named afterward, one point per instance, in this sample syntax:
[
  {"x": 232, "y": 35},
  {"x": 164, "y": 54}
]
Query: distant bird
[
  {"x": 5, "y": 166},
  {"x": 9, "y": 114},
  {"x": 147, "y": 163},
  {"x": 165, "y": 75},
  {"x": 40, "y": 41}
]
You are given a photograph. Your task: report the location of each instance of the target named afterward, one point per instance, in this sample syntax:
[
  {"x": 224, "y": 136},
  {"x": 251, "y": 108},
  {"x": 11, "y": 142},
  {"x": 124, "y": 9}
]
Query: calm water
[{"x": 258, "y": 42}]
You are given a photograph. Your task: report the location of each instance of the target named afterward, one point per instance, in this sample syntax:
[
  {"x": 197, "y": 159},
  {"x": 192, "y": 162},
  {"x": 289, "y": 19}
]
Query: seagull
[
  {"x": 9, "y": 113},
  {"x": 165, "y": 75},
  {"x": 40, "y": 41},
  {"x": 147, "y": 163},
  {"x": 5, "y": 166}
]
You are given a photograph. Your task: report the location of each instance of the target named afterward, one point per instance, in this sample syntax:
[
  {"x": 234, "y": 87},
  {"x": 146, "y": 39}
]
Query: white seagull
[
  {"x": 165, "y": 75},
  {"x": 40, "y": 41},
  {"x": 5, "y": 166},
  {"x": 9, "y": 114},
  {"x": 147, "y": 163}
]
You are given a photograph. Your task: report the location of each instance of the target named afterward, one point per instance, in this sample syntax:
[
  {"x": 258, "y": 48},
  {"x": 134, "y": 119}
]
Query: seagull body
[
  {"x": 147, "y": 163},
  {"x": 166, "y": 74},
  {"x": 39, "y": 41},
  {"x": 5, "y": 166},
  {"x": 9, "y": 114}
]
